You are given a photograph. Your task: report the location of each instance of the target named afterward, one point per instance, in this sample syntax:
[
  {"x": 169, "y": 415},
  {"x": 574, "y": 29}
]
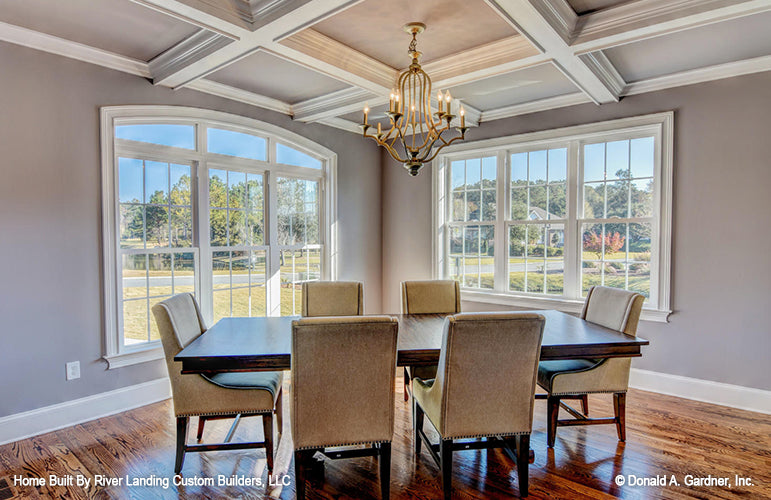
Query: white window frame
[
  {"x": 659, "y": 125},
  {"x": 115, "y": 353}
]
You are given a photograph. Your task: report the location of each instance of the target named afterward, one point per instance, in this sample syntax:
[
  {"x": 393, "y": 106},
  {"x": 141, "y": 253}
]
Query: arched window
[{"x": 237, "y": 211}]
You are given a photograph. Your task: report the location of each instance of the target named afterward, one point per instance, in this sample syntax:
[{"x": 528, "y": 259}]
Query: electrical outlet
[{"x": 73, "y": 370}]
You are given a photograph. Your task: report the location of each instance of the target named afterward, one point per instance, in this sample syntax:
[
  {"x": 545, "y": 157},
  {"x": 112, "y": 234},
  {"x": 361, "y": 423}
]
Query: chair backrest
[
  {"x": 332, "y": 298},
  {"x": 343, "y": 371},
  {"x": 430, "y": 297},
  {"x": 487, "y": 373},
  {"x": 613, "y": 308},
  {"x": 179, "y": 322}
]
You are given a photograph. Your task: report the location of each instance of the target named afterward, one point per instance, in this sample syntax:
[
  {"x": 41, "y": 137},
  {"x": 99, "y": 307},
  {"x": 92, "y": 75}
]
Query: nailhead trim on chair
[
  {"x": 477, "y": 436},
  {"x": 584, "y": 392},
  {"x": 234, "y": 412},
  {"x": 339, "y": 444}
]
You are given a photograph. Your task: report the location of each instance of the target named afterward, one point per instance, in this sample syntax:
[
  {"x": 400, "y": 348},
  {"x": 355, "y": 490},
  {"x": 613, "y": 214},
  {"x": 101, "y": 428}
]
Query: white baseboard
[
  {"x": 54, "y": 417},
  {"x": 735, "y": 396}
]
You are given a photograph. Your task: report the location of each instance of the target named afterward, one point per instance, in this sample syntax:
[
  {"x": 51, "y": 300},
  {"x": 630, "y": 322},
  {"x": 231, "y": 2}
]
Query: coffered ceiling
[{"x": 323, "y": 60}]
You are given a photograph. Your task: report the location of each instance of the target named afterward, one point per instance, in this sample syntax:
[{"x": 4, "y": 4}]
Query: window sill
[
  {"x": 564, "y": 305},
  {"x": 143, "y": 354}
]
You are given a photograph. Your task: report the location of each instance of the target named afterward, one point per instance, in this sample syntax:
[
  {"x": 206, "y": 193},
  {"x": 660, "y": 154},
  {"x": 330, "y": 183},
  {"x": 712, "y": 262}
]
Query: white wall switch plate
[{"x": 73, "y": 370}]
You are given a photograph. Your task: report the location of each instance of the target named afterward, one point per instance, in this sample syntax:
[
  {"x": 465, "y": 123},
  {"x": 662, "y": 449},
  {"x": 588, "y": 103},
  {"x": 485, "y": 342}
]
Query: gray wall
[
  {"x": 50, "y": 226},
  {"x": 721, "y": 327}
]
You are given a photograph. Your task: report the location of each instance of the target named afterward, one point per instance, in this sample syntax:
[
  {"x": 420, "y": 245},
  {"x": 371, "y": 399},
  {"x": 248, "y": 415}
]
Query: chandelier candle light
[{"x": 415, "y": 127}]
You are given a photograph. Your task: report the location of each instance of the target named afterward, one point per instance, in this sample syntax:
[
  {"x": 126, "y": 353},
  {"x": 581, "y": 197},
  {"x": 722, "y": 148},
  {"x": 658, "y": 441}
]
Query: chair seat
[
  {"x": 422, "y": 372},
  {"x": 549, "y": 370},
  {"x": 266, "y": 381}
]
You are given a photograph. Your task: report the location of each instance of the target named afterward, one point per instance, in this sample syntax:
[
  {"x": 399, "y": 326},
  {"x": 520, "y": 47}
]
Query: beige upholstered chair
[
  {"x": 332, "y": 298},
  {"x": 483, "y": 388},
  {"x": 575, "y": 378},
  {"x": 427, "y": 297},
  {"x": 343, "y": 390},
  {"x": 222, "y": 395}
]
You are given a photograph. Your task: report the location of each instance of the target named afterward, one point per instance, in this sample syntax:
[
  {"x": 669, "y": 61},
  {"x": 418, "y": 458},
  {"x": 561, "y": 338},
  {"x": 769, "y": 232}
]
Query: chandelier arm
[{"x": 457, "y": 138}]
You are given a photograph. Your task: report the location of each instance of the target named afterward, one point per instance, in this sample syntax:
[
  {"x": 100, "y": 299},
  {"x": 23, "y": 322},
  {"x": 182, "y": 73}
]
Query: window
[
  {"x": 236, "y": 211},
  {"x": 535, "y": 220}
]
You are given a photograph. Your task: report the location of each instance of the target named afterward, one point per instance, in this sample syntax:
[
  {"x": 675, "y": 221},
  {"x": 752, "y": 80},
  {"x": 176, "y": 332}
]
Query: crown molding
[
  {"x": 342, "y": 62},
  {"x": 73, "y": 50},
  {"x": 197, "y": 46},
  {"x": 342, "y": 124},
  {"x": 334, "y": 104},
  {"x": 643, "y": 19},
  {"x": 191, "y": 15},
  {"x": 525, "y": 108},
  {"x": 717, "y": 72},
  {"x": 484, "y": 61},
  {"x": 560, "y": 15},
  {"x": 240, "y": 95},
  {"x": 599, "y": 64},
  {"x": 545, "y": 28}
]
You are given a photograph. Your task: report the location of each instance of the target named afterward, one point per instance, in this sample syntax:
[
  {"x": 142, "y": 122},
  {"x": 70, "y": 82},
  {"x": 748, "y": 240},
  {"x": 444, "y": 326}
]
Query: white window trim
[
  {"x": 660, "y": 124},
  {"x": 115, "y": 353}
]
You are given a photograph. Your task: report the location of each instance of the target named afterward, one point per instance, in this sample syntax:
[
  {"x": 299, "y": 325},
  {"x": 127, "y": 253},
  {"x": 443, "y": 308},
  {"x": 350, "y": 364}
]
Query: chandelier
[{"x": 416, "y": 133}]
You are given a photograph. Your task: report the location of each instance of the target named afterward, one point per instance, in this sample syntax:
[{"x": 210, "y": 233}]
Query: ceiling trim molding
[
  {"x": 198, "y": 45},
  {"x": 560, "y": 15},
  {"x": 341, "y": 123},
  {"x": 601, "y": 66},
  {"x": 699, "y": 75},
  {"x": 559, "y": 101},
  {"x": 240, "y": 95},
  {"x": 287, "y": 22},
  {"x": 322, "y": 48},
  {"x": 483, "y": 61},
  {"x": 72, "y": 50},
  {"x": 196, "y": 17},
  {"x": 334, "y": 104},
  {"x": 643, "y": 19},
  {"x": 544, "y": 30}
]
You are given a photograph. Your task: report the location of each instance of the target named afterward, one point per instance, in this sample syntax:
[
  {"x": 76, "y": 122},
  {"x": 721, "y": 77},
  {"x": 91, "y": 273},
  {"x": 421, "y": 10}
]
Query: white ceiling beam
[
  {"x": 67, "y": 48},
  {"x": 196, "y": 46},
  {"x": 525, "y": 108},
  {"x": 549, "y": 25},
  {"x": 643, "y": 19},
  {"x": 248, "y": 42},
  {"x": 240, "y": 95}
]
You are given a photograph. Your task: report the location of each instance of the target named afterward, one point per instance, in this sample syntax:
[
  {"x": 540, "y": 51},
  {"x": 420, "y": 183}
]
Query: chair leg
[
  {"x": 267, "y": 430},
  {"x": 523, "y": 462},
  {"x": 619, "y": 407},
  {"x": 280, "y": 410},
  {"x": 181, "y": 442},
  {"x": 300, "y": 470},
  {"x": 552, "y": 411},
  {"x": 406, "y": 384},
  {"x": 585, "y": 404},
  {"x": 201, "y": 423},
  {"x": 417, "y": 424},
  {"x": 384, "y": 460},
  {"x": 445, "y": 454}
]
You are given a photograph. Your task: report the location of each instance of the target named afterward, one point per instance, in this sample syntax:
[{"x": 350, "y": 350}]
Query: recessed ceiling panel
[
  {"x": 268, "y": 75},
  {"x": 585, "y": 6},
  {"x": 374, "y": 27},
  {"x": 742, "y": 38},
  {"x": 531, "y": 84},
  {"x": 118, "y": 26}
]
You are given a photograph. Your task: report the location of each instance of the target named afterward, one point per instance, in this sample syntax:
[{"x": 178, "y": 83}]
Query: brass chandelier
[{"x": 415, "y": 128}]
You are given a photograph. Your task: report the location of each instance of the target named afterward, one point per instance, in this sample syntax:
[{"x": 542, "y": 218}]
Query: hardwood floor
[{"x": 665, "y": 436}]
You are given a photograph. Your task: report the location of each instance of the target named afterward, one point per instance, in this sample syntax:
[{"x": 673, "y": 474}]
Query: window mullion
[
  {"x": 273, "y": 278},
  {"x": 201, "y": 215},
  {"x": 501, "y": 280},
  {"x": 572, "y": 252}
]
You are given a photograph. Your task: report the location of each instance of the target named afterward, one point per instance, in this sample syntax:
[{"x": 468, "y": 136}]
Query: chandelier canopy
[{"x": 416, "y": 133}]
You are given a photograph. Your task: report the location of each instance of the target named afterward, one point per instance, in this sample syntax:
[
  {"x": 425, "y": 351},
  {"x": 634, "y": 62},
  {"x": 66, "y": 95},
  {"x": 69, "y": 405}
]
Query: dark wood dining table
[{"x": 265, "y": 344}]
